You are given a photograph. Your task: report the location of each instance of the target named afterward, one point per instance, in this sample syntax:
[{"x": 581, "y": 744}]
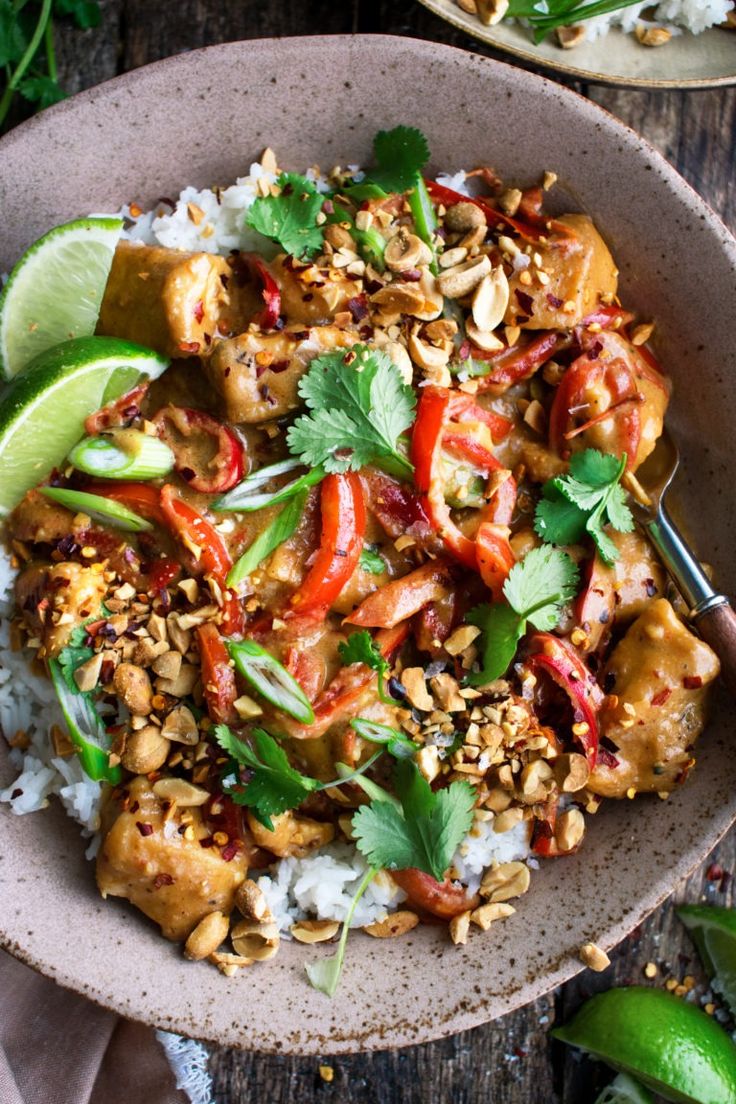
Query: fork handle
[{"x": 716, "y": 623}]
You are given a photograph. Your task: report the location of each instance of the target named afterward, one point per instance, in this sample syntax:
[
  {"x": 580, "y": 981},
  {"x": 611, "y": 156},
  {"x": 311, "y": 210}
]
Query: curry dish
[{"x": 383, "y": 584}]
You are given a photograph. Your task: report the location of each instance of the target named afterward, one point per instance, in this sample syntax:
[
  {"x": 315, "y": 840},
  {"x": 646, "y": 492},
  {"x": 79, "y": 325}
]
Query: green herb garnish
[
  {"x": 585, "y": 500},
  {"x": 325, "y": 973},
  {"x": 291, "y": 217},
  {"x": 371, "y": 561},
  {"x": 359, "y": 407},
  {"x": 360, "y": 647},
  {"x": 550, "y": 14},
  {"x": 536, "y": 590},
  {"x": 427, "y": 831},
  {"x": 275, "y": 533}
]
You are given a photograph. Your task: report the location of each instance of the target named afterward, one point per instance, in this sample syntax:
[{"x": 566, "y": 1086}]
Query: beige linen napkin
[{"x": 59, "y": 1048}]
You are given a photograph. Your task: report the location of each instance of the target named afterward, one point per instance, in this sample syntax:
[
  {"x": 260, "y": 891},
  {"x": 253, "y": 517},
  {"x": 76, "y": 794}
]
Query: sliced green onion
[
  {"x": 98, "y": 508},
  {"x": 352, "y": 776},
  {"x": 369, "y": 787},
  {"x": 325, "y": 974},
  {"x": 363, "y": 191},
  {"x": 270, "y": 679},
  {"x": 279, "y": 530},
  {"x": 398, "y": 745},
  {"x": 371, "y": 243},
  {"x": 246, "y": 498},
  {"x": 129, "y": 454},
  {"x": 86, "y": 729},
  {"x": 424, "y": 219}
]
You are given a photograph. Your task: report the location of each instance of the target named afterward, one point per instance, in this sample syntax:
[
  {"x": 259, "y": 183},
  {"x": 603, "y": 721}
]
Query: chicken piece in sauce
[
  {"x": 257, "y": 374},
  {"x": 158, "y": 863},
  {"x": 313, "y": 295},
  {"x": 166, "y": 299},
  {"x": 55, "y": 600},
  {"x": 658, "y": 675},
  {"x": 580, "y": 269}
]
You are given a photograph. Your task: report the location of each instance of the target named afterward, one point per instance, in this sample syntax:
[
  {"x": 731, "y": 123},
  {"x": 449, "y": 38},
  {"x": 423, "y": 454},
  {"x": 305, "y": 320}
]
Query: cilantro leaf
[
  {"x": 360, "y": 647},
  {"x": 540, "y": 584},
  {"x": 12, "y": 40},
  {"x": 371, "y": 561},
  {"x": 502, "y": 629},
  {"x": 275, "y": 785},
  {"x": 359, "y": 407},
  {"x": 290, "y": 218},
  {"x": 86, "y": 13},
  {"x": 41, "y": 90},
  {"x": 590, "y": 494},
  {"x": 400, "y": 156},
  {"x": 556, "y": 520},
  {"x": 425, "y": 834}
]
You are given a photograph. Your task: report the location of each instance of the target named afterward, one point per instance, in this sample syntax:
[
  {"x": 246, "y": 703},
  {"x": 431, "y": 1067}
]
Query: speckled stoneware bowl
[{"x": 202, "y": 118}]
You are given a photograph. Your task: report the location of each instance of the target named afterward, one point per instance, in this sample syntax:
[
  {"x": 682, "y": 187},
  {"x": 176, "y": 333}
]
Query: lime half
[
  {"x": 669, "y": 1045},
  {"x": 55, "y": 290},
  {"x": 713, "y": 929},
  {"x": 624, "y": 1090},
  {"x": 42, "y": 411}
]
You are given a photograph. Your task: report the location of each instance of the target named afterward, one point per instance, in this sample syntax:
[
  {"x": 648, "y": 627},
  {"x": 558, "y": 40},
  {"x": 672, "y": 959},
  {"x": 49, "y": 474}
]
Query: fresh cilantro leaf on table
[
  {"x": 275, "y": 786},
  {"x": 371, "y": 561},
  {"x": 290, "y": 218},
  {"x": 400, "y": 156},
  {"x": 427, "y": 831},
  {"x": 359, "y": 407},
  {"x": 41, "y": 90},
  {"x": 537, "y": 588},
  {"x": 583, "y": 501},
  {"x": 86, "y": 13}
]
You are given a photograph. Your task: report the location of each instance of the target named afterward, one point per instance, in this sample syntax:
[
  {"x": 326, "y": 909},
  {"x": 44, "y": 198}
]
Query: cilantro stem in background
[
  {"x": 50, "y": 51},
  {"x": 325, "y": 974},
  {"x": 26, "y": 59}
]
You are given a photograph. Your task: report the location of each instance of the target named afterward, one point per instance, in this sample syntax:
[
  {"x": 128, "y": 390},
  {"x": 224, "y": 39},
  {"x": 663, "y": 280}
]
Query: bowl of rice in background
[
  {"x": 699, "y": 53},
  {"x": 319, "y": 101}
]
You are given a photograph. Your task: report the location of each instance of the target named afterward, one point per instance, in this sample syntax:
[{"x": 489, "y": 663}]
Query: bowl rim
[{"x": 465, "y": 1014}]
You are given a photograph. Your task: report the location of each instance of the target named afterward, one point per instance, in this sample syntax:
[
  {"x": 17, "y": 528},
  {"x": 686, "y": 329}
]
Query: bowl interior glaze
[{"x": 202, "y": 118}]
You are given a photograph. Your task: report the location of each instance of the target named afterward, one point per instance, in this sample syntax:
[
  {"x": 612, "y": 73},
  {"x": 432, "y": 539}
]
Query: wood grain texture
[{"x": 511, "y": 1061}]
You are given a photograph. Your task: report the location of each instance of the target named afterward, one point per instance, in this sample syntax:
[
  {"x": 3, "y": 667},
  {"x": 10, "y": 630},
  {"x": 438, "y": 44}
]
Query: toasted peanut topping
[
  {"x": 569, "y": 829},
  {"x": 255, "y": 939},
  {"x": 463, "y": 278},
  {"x": 485, "y": 915},
  {"x": 459, "y": 928},
  {"x": 397, "y": 923},
  {"x": 207, "y": 936},
  {"x": 180, "y": 726},
  {"x": 251, "y": 901},
  {"x": 145, "y": 750},
  {"x": 315, "y": 931},
  {"x": 464, "y": 216},
  {"x": 594, "y": 958},
  {"x": 412, "y": 679},
  {"x": 505, "y": 881}
]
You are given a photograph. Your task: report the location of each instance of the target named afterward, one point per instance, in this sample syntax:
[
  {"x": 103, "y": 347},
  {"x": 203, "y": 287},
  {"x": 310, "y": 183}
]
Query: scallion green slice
[
  {"x": 270, "y": 679},
  {"x": 248, "y": 496},
  {"x": 105, "y": 510},
  {"x": 128, "y": 454},
  {"x": 398, "y": 745},
  {"x": 86, "y": 729},
  {"x": 279, "y": 530}
]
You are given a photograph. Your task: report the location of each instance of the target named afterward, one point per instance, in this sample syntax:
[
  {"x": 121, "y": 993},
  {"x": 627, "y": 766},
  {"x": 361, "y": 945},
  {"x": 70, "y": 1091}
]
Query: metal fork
[{"x": 710, "y": 610}]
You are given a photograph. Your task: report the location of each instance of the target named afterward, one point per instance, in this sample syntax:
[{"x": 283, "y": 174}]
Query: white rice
[
  {"x": 323, "y": 884},
  {"x": 675, "y": 16}
]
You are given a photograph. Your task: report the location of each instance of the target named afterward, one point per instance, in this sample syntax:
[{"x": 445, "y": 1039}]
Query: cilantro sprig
[
  {"x": 536, "y": 590},
  {"x": 426, "y": 832},
  {"x": 274, "y": 785},
  {"x": 27, "y": 52},
  {"x": 359, "y": 407},
  {"x": 360, "y": 647},
  {"x": 583, "y": 501},
  {"x": 371, "y": 561},
  {"x": 291, "y": 217}
]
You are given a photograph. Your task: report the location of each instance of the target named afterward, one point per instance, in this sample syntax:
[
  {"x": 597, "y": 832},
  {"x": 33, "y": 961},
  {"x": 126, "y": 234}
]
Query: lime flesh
[
  {"x": 669, "y": 1045},
  {"x": 713, "y": 929},
  {"x": 55, "y": 290},
  {"x": 42, "y": 411}
]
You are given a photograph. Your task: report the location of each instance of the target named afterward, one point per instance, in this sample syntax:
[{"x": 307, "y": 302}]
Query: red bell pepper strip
[
  {"x": 586, "y": 377},
  {"x": 607, "y": 317},
  {"x": 595, "y": 604},
  {"x": 270, "y": 290},
  {"x": 558, "y": 659},
  {"x": 208, "y": 547},
  {"x": 118, "y": 412},
  {"x": 500, "y": 508},
  {"x": 162, "y": 573},
  {"x": 518, "y": 362},
  {"x": 402, "y": 598},
  {"x": 449, "y": 198},
  {"x": 463, "y": 408},
  {"x": 443, "y": 899},
  {"x": 218, "y": 677},
  {"x": 495, "y": 556},
  {"x": 426, "y": 455},
  {"x": 341, "y": 542},
  {"x": 178, "y": 424},
  {"x": 143, "y": 498}
]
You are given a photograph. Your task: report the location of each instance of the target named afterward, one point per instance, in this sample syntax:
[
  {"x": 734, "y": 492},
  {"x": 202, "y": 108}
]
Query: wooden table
[{"x": 510, "y": 1061}]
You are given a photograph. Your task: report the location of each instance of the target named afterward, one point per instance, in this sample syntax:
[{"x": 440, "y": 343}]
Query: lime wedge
[
  {"x": 624, "y": 1090},
  {"x": 55, "y": 290},
  {"x": 42, "y": 411},
  {"x": 713, "y": 929},
  {"x": 671, "y": 1046}
]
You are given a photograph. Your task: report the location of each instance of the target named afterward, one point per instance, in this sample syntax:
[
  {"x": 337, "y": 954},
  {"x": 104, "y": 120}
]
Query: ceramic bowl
[{"x": 202, "y": 118}]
